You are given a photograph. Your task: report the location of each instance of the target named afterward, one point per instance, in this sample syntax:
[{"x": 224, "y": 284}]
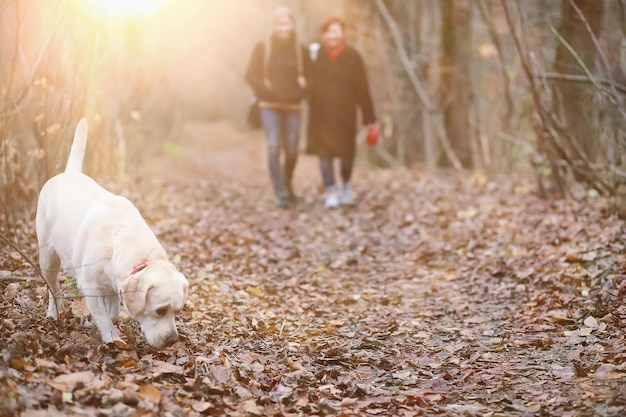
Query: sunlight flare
[{"x": 127, "y": 7}]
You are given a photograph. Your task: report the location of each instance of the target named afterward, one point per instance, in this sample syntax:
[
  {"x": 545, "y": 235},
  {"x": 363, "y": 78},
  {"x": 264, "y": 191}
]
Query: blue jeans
[
  {"x": 282, "y": 133},
  {"x": 328, "y": 173}
]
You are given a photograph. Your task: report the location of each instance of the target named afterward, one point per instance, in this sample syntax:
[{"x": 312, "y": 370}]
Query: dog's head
[{"x": 153, "y": 296}]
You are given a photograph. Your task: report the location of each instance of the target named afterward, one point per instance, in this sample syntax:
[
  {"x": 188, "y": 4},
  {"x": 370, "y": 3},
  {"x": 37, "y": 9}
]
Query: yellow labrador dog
[{"x": 101, "y": 239}]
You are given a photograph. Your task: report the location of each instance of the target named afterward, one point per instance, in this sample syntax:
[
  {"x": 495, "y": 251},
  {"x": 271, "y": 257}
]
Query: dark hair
[{"x": 331, "y": 20}]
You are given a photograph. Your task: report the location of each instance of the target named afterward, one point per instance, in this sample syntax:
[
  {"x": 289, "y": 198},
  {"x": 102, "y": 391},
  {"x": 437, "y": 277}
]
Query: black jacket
[
  {"x": 336, "y": 90},
  {"x": 282, "y": 71}
]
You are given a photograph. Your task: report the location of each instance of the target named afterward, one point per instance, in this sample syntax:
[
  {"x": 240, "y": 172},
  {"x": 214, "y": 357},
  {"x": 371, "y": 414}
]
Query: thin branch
[
  {"x": 551, "y": 129},
  {"x": 491, "y": 30},
  {"x": 588, "y": 173},
  {"x": 46, "y": 45},
  {"x": 582, "y": 65},
  {"x": 541, "y": 130},
  {"x": 33, "y": 72},
  {"x": 591, "y": 78},
  {"x": 16, "y": 47},
  {"x": 385, "y": 155},
  {"x": 404, "y": 58},
  {"x": 417, "y": 85},
  {"x": 582, "y": 79},
  {"x": 15, "y": 278},
  {"x": 16, "y": 248},
  {"x": 613, "y": 99},
  {"x": 522, "y": 144},
  {"x": 447, "y": 147}
]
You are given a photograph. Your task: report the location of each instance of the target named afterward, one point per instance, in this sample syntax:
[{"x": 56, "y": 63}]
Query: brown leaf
[
  {"x": 220, "y": 374},
  {"x": 591, "y": 322},
  {"x": 20, "y": 364},
  {"x": 579, "y": 370},
  {"x": 250, "y": 406},
  {"x": 563, "y": 320},
  {"x": 531, "y": 407},
  {"x": 150, "y": 393},
  {"x": 201, "y": 406},
  {"x": 70, "y": 382},
  {"x": 160, "y": 367},
  {"x": 121, "y": 344}
]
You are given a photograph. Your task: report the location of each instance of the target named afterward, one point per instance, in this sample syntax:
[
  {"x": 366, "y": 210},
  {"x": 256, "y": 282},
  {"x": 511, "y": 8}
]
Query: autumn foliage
[{"x": 436, "y": 295}]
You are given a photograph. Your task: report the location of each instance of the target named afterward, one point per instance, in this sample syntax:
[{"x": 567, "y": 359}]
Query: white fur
[{"x": 100, "y": 238}]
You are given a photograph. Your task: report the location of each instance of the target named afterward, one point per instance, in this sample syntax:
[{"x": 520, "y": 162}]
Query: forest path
[
  {"x": 221, "y": 152},
  {"x": 439, "y": 293}
]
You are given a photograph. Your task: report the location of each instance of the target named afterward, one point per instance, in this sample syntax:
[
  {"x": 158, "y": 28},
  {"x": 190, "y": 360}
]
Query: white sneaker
[
  {"x": 332, "y": 201},
  {"x": 345, "y": 197}
]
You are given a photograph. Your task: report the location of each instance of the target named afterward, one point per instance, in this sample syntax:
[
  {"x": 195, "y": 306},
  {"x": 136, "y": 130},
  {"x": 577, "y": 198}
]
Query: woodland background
[
  {"x": 483, "y": 84},
  {"x": 481, "y": 272}
]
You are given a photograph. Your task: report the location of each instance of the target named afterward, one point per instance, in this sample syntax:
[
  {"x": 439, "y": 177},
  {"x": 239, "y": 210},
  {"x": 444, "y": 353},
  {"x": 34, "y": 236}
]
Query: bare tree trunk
[
  {"x": 455, "y": 88},
  {"x": 575, "y": 99}
]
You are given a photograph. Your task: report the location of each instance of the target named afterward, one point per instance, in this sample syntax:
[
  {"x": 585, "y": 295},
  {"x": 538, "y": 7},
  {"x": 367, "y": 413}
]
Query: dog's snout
[
  {"x": 172, "y": 339},
  {"x": 168, "y": 341}
]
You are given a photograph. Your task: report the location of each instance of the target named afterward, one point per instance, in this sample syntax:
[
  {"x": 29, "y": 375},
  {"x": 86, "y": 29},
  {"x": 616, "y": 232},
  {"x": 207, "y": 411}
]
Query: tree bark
[
  {"x": 578, "y": 18},
  {"x": 455, "y": 88}
]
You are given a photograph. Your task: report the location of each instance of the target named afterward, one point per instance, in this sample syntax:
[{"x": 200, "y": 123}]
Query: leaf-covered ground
[{"x": 438, "y": 294}]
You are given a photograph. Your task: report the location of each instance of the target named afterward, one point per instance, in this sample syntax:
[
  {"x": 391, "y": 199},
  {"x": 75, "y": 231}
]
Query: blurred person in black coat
[{"x": 338, "y": 86}]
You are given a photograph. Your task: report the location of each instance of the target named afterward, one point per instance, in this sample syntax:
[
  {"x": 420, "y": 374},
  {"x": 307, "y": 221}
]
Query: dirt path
[
  {"x": 220, "y": 152},
  {"x": 438, "y": 294}
]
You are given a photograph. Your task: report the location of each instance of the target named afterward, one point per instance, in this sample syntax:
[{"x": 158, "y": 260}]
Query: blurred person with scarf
[
  {"x": 277, "y": 73},
  {"x": 338, "y": 86}
]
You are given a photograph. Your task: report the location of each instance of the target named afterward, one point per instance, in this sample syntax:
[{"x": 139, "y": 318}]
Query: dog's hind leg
[{"x": 50, "y": 265}]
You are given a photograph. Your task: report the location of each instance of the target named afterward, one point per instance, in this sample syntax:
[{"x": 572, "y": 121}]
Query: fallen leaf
[
  {"x": 531, "y": 407},
  {"x": 254, "y": 291},
  {"x": 579, "y": 370},
  {"x": 591, "y": 322},
  {"x": 563, "y": 320},
  {"x": 250, "y": 406},
  {"x": 150, "y": 393},
  {"x": 121, "y": 344},
  {"x": 201, "y": 406},
  {"x": 70, "y": 382}
]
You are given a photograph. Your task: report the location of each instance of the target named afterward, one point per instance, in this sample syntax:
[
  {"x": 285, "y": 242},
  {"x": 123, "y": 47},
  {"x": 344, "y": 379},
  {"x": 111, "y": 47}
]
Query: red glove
[{"x": 372, "y": 134}]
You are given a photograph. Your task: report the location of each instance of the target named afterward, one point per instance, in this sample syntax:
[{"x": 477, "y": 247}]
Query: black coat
[
  {"x": 336, "y": 90},
  {"x": 282, "y": 72}
]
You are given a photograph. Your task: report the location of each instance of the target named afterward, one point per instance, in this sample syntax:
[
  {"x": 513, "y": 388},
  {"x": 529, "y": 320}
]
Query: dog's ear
[{"x": 135, "y": 293}]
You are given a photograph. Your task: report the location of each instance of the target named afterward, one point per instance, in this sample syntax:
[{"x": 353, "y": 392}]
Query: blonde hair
[{"x": 283, "y": 11}]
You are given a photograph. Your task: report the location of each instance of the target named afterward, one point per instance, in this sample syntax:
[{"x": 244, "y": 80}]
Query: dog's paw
[
  {"x": 55, "y": 314},
  {"x": 54, "y": 311},
  {"x": 114, "y": 339}
]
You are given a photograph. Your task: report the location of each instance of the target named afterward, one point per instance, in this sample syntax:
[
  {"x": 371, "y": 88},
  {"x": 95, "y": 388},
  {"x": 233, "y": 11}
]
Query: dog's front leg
[
  {"x": 113, "y": 307},
  {"x": 98, "y": 307}
]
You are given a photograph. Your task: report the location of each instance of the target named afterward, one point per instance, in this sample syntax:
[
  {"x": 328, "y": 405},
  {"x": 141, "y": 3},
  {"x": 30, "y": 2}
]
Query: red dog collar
[{"x": 137, "y": 268}]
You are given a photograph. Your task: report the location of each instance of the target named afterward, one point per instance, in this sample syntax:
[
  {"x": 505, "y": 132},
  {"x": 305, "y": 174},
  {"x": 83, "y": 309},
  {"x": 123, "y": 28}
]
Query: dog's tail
[{"x": 77, "y": 152}]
